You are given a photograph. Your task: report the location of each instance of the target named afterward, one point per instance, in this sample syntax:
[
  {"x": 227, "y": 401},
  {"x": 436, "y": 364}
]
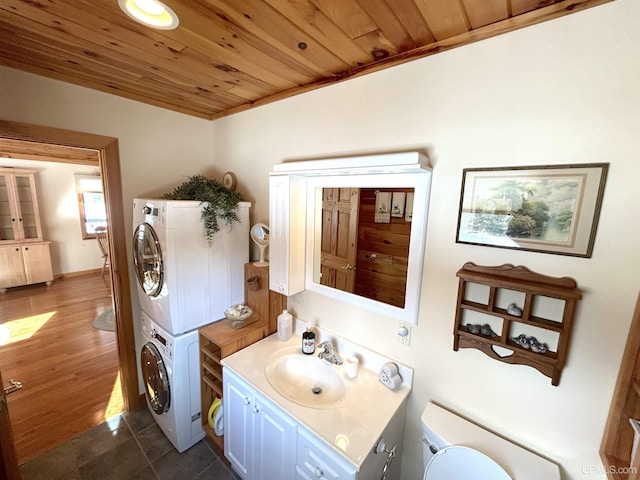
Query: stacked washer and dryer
[{"x": 183, "y": 283}]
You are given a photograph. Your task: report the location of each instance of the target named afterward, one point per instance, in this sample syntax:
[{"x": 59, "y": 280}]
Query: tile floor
[{"x": 127, "y": 446}]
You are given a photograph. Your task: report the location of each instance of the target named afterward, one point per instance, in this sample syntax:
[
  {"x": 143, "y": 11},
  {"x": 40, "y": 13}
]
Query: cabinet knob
[
  {"x": 246, "y": 401},
  {"x": 318, "y": 473},
  {"x": 256, "y": 409},
  {"x": 17, "y": 249}
]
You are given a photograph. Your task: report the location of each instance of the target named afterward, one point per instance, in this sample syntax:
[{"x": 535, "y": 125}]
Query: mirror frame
[
  {"x": 261, "y": 243},
  {"x": 405, "y": 169},
  {"x": 420, "y": 182}
]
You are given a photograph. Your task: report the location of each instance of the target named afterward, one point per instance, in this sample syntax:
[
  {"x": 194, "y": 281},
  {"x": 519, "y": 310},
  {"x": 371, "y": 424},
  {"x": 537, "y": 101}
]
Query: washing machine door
[
  {"x": 147, "y": 259},
  {"x": 457, "y": 462},
  {"x": 156, "y": 381}
]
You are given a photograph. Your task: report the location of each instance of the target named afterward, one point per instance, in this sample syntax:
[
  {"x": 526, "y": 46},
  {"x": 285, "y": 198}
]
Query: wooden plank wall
[{"x": 385, "y": 277}]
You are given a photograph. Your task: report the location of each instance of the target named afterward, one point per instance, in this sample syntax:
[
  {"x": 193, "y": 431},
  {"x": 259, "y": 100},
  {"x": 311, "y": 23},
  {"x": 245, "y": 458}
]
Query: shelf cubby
[{"x": 530, "y": 291}]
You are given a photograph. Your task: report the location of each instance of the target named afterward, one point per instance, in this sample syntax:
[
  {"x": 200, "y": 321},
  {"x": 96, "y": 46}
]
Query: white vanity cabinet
[
  {"x": 316, "y": 461},
  {"x": 259, "y": 438},
  {"x": 287, "y": 204},
  {"x": 267, "y": 435}
]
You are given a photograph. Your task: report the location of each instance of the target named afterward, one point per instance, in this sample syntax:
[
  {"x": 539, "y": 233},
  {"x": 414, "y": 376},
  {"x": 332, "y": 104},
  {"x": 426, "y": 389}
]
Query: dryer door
[
  {"x": 156, "y": 381},
  {"x": 147, "y": 259}
]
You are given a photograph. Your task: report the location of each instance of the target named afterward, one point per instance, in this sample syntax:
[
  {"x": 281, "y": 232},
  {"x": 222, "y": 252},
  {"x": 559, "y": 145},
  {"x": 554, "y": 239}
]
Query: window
[{"x": 93, "y": 212}]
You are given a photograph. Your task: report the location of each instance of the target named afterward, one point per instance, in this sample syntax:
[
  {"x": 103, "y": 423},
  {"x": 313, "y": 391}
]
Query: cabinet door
[
  {"x": 19, "y": 215},
  {"x": 315, "y": 460},
  {"x": 238, "y": 424},
  {"x": 12, "y": 271},
  {"x": 27, "y": 205},
  {"x": 287, "y": 230},
  {"x": 275, "y": 442},
  {"x": 37, "y": 262},
  {"x": 8, "y": 214}
]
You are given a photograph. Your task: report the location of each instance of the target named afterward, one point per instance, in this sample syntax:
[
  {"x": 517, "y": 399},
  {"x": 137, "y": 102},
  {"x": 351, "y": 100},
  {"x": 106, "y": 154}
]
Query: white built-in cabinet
[
  {"x": 263, "y": 442},
  {"x": 259, "y": 438},
  {"x": 24, "y": 257},
  {"x": 287, "y": 228},
  {"x": 315, "y": 460}
]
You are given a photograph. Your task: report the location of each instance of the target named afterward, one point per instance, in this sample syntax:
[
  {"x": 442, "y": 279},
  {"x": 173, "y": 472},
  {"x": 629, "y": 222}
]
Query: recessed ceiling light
[{"x": 152, "y": 13}]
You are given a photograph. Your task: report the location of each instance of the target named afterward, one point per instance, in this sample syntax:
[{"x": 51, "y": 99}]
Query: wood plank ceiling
[{"x": 227, "y": 56}]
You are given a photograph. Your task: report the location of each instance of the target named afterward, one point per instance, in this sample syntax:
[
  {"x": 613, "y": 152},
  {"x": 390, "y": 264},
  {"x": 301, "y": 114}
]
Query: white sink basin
[{"x": 305, "y": 379}]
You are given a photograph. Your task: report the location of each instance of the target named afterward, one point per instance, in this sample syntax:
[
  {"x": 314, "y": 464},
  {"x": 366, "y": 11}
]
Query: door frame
[
  {"x": 8, "y": 460},
  {"x": 35, "y": 142}
]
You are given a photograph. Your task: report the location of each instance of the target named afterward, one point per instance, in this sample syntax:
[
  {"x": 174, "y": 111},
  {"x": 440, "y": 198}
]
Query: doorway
[{"x": 57, "y": 145}]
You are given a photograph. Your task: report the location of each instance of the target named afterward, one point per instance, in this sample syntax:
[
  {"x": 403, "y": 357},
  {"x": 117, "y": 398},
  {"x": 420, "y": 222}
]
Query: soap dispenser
[{"x": 308, "y": 341}]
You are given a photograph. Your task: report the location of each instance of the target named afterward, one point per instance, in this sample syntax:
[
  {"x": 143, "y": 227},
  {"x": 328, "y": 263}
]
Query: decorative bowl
[{"x": 238, "y": 314}]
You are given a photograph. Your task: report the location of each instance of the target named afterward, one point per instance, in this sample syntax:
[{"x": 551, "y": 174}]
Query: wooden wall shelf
[
  {"x": 533, "y": 289},
  {"x": 617, "y": 440}
]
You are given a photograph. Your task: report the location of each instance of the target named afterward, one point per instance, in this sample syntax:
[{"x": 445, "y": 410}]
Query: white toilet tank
[{"x": 442, "y": 428}]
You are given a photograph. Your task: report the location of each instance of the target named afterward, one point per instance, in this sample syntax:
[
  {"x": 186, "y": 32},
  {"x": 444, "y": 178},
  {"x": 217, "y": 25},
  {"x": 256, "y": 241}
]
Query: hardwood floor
[{"x": 68, "y": 368}]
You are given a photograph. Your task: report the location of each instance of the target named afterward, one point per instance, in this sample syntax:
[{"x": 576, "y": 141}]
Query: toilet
[{"x": 454, "y": 449}]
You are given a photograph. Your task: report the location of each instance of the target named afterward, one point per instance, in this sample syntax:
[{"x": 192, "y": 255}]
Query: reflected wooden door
[
  {"x": 339, "y": 237},
  {"x": 9, "y": 466}
]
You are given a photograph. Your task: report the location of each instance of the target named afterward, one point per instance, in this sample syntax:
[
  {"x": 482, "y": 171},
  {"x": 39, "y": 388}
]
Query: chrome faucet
[{"x": 328, "y": 353}]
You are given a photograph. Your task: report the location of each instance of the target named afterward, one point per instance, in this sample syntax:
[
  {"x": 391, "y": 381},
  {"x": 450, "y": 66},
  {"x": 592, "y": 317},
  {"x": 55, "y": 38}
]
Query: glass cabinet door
[
  {"x": 19, "y": 217},
  {"x": 25, "y": 196},
  {"x": 7, "y": 214}
]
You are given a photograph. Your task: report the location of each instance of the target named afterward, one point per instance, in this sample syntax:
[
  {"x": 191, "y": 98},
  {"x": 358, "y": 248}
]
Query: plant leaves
[{"x": 222, "y": 203}]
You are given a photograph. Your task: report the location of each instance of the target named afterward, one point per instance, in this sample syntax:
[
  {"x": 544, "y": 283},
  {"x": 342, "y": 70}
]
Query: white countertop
[{"x": 354, "y": 425}]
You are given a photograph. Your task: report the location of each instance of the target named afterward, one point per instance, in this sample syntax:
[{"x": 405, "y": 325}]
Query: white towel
[
  {"x": 383, "y": 205},
  {"x": 397, "y": 204},
  {"x": 408, "y": 211}
]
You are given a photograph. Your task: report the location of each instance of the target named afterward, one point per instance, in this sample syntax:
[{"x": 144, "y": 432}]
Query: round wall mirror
[{"x": 260, "y": 235}]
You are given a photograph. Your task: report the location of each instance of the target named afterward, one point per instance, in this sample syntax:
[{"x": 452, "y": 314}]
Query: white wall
[
  {"x": 60, "y": 216},
  {"x": 158, "y": 148},
  {"x": 564, "y": 91},
  {"x": 560, "y": 92}
]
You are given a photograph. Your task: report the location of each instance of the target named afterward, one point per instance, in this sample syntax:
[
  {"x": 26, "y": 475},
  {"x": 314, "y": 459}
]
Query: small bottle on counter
[
  {"x": 308, "y": 341},
  {"x": 285, "y": 326}
]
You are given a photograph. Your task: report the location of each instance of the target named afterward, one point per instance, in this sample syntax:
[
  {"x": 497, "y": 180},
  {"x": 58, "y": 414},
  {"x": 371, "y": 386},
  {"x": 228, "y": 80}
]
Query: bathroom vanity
[{"x": 276, "y": 427}]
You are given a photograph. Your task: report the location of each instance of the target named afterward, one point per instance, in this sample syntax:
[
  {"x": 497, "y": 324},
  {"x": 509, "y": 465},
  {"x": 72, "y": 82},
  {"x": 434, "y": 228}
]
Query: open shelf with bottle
[
  {"x": 516, "y": 316},
  {"x": 220, "y": 339}
]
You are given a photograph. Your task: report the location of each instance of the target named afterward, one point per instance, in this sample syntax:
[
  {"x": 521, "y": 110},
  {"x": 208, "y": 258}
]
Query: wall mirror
[
  {"x": 366, "y": 239},
  {"x": 352, "y": 229}
]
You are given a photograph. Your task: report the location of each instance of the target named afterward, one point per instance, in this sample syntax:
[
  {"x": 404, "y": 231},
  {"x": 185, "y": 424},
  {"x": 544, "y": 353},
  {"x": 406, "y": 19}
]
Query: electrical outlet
[{"x": 404, "y": 334}]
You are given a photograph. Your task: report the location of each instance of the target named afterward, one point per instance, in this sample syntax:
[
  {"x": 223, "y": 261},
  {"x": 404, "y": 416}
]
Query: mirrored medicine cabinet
[{"x": 352, "y": 229}]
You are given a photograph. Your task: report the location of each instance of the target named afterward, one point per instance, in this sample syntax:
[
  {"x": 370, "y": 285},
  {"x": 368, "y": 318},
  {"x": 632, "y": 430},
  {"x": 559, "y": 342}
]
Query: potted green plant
[{"x": 221, "y": 203}]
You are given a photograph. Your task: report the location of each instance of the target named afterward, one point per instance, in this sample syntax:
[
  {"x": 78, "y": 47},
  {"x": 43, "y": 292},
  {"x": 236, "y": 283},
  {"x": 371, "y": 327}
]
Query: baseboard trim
[{"x": 79, "y": 273}]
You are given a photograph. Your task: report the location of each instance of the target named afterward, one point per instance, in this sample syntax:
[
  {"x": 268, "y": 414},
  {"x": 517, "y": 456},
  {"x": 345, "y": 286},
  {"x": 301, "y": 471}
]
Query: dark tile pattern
[{"x": 129, "y": 446}]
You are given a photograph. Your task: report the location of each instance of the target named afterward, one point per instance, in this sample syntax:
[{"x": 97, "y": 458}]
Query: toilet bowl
[{"x": 454, "y": 449}]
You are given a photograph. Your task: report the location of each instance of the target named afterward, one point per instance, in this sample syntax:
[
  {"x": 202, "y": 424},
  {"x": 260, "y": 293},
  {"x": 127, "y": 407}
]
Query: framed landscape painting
[{"x": 550, "y": 209}]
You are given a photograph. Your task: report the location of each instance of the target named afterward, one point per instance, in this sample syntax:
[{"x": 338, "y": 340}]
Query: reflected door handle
[{"x": 13, "y": 386}]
